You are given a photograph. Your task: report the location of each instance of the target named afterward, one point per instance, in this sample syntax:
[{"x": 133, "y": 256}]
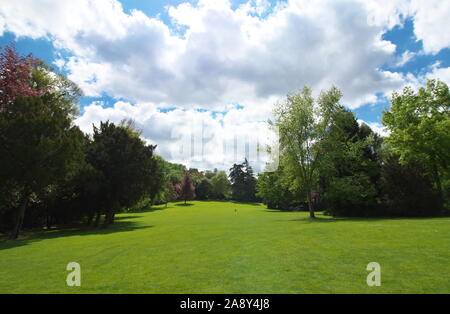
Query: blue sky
[{"x": 170, "y": 64}]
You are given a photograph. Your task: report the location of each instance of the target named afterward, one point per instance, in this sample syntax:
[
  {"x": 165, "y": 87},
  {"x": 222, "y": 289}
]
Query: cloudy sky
[{"x": 201, "y": 77}]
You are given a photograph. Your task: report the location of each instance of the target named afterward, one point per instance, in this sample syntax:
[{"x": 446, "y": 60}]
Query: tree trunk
[
  {"x": 184, "y": 202},
  {"x": 19, "y": 218},
  {"x": 97, "y": 220},
  {"x": 89, "y": 220},
  {"x": 107, "y": 220},
  {"x": 49, "y": 222},
  {"x": 310, "y": 206}
]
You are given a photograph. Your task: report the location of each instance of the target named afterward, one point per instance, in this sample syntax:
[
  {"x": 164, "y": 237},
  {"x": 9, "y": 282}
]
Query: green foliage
[
  {"x": 350, "y": 169},
  {"x": 243, "y": 183},
  {"x": 302, "y": 124},
  {"x": 204, "y": 190},
  {"x": 220, "y": 185},
  {"x": 351, "y": 196},
  {"x": 196, "y": 176},
  {"x": 39, "y": 143},
  {"x": 419, "y": 125},
  {"x": 169, "y": 176},
  {"x": 129, "y": 170},
  {"x": 274, "y": 188},
  {"x": 209, "y": 174},
  {"x": 408, "y": 189}
]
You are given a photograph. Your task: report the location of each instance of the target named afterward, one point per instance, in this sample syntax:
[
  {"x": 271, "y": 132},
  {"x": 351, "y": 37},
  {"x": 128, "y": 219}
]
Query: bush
[
  {"x": 408, "y": 190},
  {"x": 351, "y": 196}
]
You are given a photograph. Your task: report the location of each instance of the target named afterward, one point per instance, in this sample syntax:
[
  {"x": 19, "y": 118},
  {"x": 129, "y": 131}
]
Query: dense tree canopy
[
  {"x": 220, "y": 185},
  {"x": 276, "y": 191},
  {"x": 39, "y": 143},
  {"x": 127, "y": 166},
  {"x": 350, "y": 168},
  {"x": 419, "y": 125},
  {"x": 243, "y": 182}
]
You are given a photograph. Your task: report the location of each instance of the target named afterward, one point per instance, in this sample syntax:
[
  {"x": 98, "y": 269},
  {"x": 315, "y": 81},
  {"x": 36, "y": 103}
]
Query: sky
[{"x": 200, "y": 78}]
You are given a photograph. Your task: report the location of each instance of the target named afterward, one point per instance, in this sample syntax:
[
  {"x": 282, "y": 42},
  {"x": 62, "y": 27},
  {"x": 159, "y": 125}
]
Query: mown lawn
[{"x": 208, "y": 247}]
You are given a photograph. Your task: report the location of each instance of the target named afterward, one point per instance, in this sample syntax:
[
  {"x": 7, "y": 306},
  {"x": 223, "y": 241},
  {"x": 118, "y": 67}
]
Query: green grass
[{"x": 208, "y": 248}]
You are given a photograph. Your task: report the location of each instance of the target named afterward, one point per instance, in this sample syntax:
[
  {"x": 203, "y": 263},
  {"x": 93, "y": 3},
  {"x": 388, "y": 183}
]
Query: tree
[
  {"x": 39, "y": 143},
  {"x": 350, "y": 169},
  {"x": 127, "y": 165},
  {"x": 351, "y": 196},
  {"x": 196, "y": 176},
  {"x": 302, "y": 124},
  {"x": 204, "y": 189},
  {"x": 237, "y": 178},
  {"x": 220, "y": 185},
  {"x": 419, "y": 125},
  {"x": 407, "y": 189},
  {"x": 275, "y": 190},
  {"x": 16, "y": 76},
  {"x": 209, "y": 174},
  {"x": 186, "y": 187},
  {"x": 243, "y": 183}
]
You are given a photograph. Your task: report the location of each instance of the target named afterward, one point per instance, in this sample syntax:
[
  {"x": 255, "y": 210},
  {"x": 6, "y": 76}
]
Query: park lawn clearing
[{"x": 226, "y": 247}]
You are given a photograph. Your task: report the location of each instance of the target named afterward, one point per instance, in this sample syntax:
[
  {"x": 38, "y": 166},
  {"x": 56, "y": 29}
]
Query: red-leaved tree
[
  {"x": 186, "y": 188},
  {"x": 15, "y": 76}
]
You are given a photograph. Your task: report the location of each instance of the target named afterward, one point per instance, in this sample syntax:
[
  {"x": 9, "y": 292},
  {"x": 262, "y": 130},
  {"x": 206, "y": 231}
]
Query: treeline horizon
[{"x": 54, "y": 174}]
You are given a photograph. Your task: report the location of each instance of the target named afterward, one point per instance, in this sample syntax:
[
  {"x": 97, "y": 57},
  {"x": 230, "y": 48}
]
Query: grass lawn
[{"x": 209, "y": 248}]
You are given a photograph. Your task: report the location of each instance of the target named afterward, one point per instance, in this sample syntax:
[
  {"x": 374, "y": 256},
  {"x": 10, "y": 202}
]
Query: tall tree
[
  {"x": 302, "y": 124},
  {"x": 351, "y": 167},
  {"x": 237, "y": 178},
  {"x": 39, "y": 142},
  {"x": 204, "y": 189},
  {"x": 186, "y": 187},
  {"x": 419, "y": 125},
  {"x": 243, "y": 182},
  {"x": 127, "y": 165}
]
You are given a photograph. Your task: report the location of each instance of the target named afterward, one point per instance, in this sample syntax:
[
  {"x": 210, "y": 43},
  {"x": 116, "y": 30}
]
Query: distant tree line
[
  {"x": 328, "y": 161},
  {"x": 186, "y": 184}
]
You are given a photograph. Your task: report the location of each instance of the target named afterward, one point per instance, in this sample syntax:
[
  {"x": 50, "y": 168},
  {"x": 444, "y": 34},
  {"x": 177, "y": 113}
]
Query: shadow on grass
[
  {"x": 149, "y": 209},
  {"x": 183, "y": 204},
  {"x": 245, "y": 203},
  {"x": 126, "y": 217},
  {"x": 70, "y": 231},
  {"x": 332, "y": 219},
  {"x": 282, "y": 211},
  {"x": 321, "y": 218}
]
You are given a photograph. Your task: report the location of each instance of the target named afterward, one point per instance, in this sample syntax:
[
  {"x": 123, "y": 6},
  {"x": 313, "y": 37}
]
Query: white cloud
[
  {"x": 431, "y": 24},
  {"x": 440, "y": 73},
  {"x": 179, "y": 133},
  {"x": 217, "y": 58},
  {"x": 430, "y": 19},
  {"x": 225, "y": 56}
]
